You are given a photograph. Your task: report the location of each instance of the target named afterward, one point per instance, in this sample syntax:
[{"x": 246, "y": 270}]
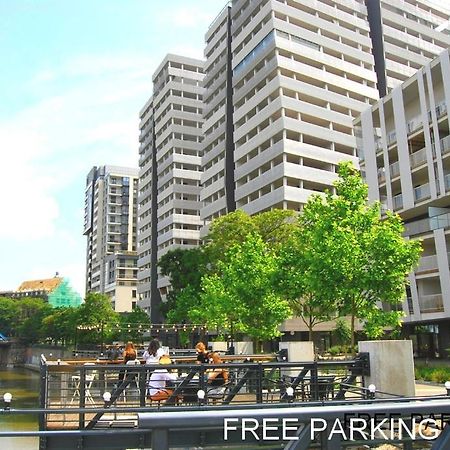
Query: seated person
[
  {"x": 202, "y": 353},
  {"x": 217, "y": 376},
  {"x": 157, "y": 384}
]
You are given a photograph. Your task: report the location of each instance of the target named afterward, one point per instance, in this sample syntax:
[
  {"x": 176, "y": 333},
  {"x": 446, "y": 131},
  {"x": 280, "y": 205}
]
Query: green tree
[
  {"x": 133, "y": 324},
  {"x": 243, "y": 298},
  {"x": 297, "y": 280},
  {"x": 96, "y": 319},
  {"x": 185, "y": 268},
  {"x": 362, "y": 261},
  {"x": 60, "y": 326},
  {"x": 31, "y": 314},
  {"x": 9, "y": 310}
]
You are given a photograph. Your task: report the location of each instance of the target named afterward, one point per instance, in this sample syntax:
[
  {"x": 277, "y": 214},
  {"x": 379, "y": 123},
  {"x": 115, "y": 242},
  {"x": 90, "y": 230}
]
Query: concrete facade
[
  {"x": 169, "y": 172},
  {"x": 404, "y": 149},
  {"x": 390, "y": 375},
  {"x": 300, "y": 74},
  {"x": 110, "y": 227}
]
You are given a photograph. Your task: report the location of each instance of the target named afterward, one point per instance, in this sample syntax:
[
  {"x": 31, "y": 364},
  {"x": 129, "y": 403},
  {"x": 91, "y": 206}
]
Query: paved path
[{"x": 427, "y": 389}]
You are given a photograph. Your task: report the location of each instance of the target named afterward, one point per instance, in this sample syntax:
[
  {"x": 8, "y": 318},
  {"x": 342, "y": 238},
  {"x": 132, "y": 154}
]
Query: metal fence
[{"x": 87, "y": 386}]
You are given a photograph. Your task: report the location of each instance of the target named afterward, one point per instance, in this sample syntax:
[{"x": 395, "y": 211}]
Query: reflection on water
[{"x": 24, "y": 387}]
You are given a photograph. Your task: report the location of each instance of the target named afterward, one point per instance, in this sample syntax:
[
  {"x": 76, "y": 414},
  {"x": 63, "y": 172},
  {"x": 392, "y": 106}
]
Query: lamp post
[
  {"x": 201, "y": 397},
  {"x": 447, "y": 387},
  {"x": 372, "y": 390},
  {"x": 290, "y": 394},
  {"x": 7, "y": 397}
]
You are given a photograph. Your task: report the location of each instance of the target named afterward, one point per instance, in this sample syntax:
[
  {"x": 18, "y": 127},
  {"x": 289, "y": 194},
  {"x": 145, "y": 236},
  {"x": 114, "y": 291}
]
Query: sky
[{"x": 73, "y": 77}]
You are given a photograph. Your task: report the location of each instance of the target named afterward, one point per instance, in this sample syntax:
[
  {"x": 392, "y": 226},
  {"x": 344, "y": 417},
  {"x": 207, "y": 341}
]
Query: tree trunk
[{"x": 352, "y": 342}]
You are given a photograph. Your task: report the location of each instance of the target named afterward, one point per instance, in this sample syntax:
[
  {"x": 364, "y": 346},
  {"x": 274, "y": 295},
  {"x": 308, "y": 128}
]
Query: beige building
[
  {"x": 169, "y": 172},
  {"x": 110, "y": 227},
  {"x": 405, "y": 155}
]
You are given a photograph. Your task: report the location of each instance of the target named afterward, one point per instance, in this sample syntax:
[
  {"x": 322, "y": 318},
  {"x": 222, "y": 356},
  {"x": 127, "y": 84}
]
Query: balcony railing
[
  {"x": 445, "y": 145},
  {"x": 381, "y": 175},
  {"x": 394, "y": 169},
  {"x": 398, "y": 202},
  {"x": 391, "y": 137},
  {"x": 427, "y": 264},
  {"x": 418, "y": 158},
  {"x": 431, "y": 303},
  {"x": 441, "y": 109},
  {"x": 422, "y": 192}
]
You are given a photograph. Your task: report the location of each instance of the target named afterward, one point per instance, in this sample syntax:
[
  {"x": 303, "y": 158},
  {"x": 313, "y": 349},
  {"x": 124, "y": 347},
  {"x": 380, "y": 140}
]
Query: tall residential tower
[
  {"x": 169, "y": 172},
  {"x": 110, "y": 227}
]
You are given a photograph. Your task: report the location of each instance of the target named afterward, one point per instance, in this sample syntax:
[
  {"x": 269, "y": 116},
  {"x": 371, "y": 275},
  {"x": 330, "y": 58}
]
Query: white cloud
[{"x": 48, "y": 145}]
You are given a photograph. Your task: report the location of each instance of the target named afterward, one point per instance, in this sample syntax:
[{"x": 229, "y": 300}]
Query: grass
[{"x": 437, "y": 374}]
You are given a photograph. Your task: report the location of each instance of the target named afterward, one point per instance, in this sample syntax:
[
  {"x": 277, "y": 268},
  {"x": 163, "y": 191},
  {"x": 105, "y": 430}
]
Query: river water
[{"x": 24, "y": 386}]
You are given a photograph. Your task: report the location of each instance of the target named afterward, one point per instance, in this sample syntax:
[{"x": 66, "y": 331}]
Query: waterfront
[{"x": 24, "y": 386}]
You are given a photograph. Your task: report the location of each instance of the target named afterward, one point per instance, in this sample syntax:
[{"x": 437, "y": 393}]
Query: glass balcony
[
  {"x": 381, "y": 175},
  {"x": 422, "y": 192},
  {"x": 398, "y": 202}
]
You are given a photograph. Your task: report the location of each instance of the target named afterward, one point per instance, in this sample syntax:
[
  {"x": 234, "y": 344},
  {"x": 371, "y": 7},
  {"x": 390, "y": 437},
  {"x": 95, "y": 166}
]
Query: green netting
[{"x": 64, "y": 295}]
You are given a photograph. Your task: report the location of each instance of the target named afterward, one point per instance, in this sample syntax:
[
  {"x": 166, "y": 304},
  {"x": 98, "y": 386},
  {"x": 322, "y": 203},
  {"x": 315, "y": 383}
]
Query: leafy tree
[
  {"x": 274, "y": 227},
  {"x": 296, "y": 279},
  {"x": 97, "y": 318},
  {"x": 9, "y": 310},
  {"x": 60, "y": 326},
  {"x": 243, "y": 298},
  {"x": 361, "y": 260},
  {"x": 31, "y": 314},
  {"x": 185, "y": 269},
  {"x": 133, "y": 324}
]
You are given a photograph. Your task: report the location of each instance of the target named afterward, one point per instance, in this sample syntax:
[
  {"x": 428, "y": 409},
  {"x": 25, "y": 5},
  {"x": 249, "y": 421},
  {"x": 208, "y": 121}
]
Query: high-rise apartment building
[
  {"x": 169, "y": 175},
  {"x": 405, "y": 150},
  {"x": 110, "y": 227},
  {"x": 297, "y": 74}
]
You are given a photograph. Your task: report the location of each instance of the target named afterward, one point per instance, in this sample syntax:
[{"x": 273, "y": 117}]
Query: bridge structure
[{"x": 104, "y": 406}]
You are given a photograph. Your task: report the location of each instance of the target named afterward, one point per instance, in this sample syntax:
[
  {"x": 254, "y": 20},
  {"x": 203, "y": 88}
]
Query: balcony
[
  {"x": 414, "y": 125},
  {"x": 418, "y": 158},
  {"x": 391, "y": 138},
  {"x": 445, "y": 145},
  {"x": 394, "y": 169},
  {"x": 431, "y": 303},
  {"x": 381, "y": 175},
  {"x": 441, "y": 109},
  {"x": 397, "y": 202},
  {"x": 422, "y": 192},
  {"x": 427, "y": 264}
]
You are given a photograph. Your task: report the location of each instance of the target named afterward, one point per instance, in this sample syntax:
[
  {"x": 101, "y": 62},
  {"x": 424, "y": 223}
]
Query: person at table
[
  {"x": 153, "y": 352},
  {"x": 202, "y": 353},
  {"x": 157, "y": 386},
  {"x": 217, "y": 376},
  {"x": 129, "y": 354}
]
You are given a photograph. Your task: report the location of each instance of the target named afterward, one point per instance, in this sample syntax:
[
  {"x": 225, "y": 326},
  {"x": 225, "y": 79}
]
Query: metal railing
[
  {"x": 309, "y": 426},
  {"x": 81, "y": 388}
]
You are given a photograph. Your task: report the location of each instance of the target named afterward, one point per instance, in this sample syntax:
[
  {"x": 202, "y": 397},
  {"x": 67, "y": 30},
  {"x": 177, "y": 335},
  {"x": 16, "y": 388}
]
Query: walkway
[{"x": 423, "y": 390}]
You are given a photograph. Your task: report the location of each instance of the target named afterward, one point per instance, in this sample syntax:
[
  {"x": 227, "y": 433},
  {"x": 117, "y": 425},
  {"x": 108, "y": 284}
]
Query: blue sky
[{"x": 74, "y": 76}]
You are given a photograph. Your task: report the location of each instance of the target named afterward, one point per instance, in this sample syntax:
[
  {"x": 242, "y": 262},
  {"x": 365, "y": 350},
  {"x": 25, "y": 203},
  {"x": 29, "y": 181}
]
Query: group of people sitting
[{"x": 157, "y": 384}]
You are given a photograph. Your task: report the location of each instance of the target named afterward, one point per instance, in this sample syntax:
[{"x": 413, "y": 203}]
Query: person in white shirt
[
  {"x": 153, "y": 353},
  {"x": 157, "y": 390}
]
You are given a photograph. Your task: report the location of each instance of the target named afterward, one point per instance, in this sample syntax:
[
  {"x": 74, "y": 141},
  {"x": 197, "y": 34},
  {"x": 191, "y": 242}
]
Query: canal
[{"x": 23, "y": 384}]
